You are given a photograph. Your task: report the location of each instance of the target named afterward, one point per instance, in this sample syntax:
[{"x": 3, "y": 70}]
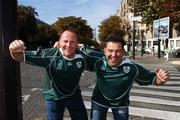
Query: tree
[
  {"x": 27, "y": 24},
  {"x": 80, "y": 25},
  {"x": 46, "y": 36},
  {"x": 109, "y": 26},
  {"x": 151, "y": 10},
  {"x": 34, "y": 31},
  {"x": 147, "y": 9},
  {"x": 171, "y": 8}
]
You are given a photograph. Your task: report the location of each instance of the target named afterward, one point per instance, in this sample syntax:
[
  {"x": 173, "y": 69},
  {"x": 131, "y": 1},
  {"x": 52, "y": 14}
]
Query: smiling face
[
  {"x": 114, "y": 52},
  {"x": 69, "y": 43}
]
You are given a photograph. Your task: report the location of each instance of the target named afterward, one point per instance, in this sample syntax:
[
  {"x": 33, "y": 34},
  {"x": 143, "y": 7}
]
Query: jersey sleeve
[
  {"x": 40, "y": 57},
  {"x": 91, "y": 56},
  {"x": 144, "y": 76}
]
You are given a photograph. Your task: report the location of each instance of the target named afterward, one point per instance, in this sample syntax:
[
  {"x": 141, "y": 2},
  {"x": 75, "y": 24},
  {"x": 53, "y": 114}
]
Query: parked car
[
  {"x": 147, "y": 50},
  {"x": 175, "y": 52}
]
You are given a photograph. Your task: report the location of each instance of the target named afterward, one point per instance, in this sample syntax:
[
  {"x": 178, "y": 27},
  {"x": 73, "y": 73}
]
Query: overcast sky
[{"x": 94, "y": 11}]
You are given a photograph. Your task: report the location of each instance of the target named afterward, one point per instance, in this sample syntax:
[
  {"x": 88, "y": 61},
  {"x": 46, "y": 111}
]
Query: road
[{"x": 147, "y": 103}]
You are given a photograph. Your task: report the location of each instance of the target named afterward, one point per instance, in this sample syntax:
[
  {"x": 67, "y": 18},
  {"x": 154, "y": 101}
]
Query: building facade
[{"x": 144, "y": 32}]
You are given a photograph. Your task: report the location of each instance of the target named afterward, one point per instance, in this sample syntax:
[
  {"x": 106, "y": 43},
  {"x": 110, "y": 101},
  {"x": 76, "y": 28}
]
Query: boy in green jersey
[
  {"x": 63, "y": 67},
  {"x": 115, "y": 77}
]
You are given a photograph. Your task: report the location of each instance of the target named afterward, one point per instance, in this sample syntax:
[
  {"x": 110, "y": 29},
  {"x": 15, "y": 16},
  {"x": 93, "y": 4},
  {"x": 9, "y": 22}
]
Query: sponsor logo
[{"x": 69, "y": 63}]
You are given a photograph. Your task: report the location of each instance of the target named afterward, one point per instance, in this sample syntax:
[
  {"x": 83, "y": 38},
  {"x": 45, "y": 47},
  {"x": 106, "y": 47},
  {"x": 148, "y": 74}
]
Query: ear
[
  {"x": 123, "y": 50},
  {"x": 104, "y": 49}
]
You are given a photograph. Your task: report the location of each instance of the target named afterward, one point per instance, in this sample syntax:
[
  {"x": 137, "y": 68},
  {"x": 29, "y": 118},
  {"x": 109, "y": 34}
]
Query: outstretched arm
[
  {"x": 16, "y": 49},
  {"x": 162, "y": 77}
]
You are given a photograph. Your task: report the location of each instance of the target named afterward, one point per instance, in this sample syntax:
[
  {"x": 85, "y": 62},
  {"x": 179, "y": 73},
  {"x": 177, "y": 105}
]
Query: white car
[{"x": 147, "y": 50}]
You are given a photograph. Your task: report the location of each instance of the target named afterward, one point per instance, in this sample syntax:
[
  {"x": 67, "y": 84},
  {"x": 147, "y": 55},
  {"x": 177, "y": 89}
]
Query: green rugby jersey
[
  {"x": 114, "y": 84},
  {"x": 62, "y": 74}
]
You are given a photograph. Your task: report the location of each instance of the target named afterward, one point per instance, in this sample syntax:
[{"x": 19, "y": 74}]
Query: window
[
  {"x": 171, "y": 43},
  {"x": 155, "y": 42},
  {"x": 177, "y": 43}
]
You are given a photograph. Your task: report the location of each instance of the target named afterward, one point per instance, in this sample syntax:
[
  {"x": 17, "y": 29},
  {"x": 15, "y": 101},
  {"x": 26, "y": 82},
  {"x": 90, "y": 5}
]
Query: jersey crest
[
  {"x": 79, "y": 64},
  {"x": 103, "y": 68},
  {"x": 126, "y": 69}
]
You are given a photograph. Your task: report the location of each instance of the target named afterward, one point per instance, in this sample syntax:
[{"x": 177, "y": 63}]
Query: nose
[
  {"x": 68, "y": 44},
  {"x": 113, "y": 54}
]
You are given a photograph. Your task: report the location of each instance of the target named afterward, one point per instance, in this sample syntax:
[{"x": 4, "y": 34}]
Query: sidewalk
[{"x": 149, "y": 59}]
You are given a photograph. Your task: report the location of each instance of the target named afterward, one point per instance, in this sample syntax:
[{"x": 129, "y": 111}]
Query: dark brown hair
[
  {"x": 71, "y": 29},
  {"x": 115, "y": 38}
]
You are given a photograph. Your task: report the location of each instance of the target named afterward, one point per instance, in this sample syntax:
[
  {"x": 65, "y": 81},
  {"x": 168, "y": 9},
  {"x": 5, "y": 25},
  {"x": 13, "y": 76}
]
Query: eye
[
  {"x": 73, "y": 42},
  {"x": 109, "y": 50},
  {"x": 119, "y": 50}
]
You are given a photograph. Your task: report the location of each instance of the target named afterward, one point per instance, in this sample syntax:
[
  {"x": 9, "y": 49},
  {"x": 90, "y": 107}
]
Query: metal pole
[
  {"x": 10, "y": 85},
  {"x": 159, "y": 48},
  {"x": 2, "y": 87},
  {"x": 133, "y": 41},
  {"x": 159, "y": 42},
  {"x": 142, "y": 44}
]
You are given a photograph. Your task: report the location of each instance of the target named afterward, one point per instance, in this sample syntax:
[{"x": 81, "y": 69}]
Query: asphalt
[
  {"x": 31, "y": 77},
  {"x": 149, "y": 59}
]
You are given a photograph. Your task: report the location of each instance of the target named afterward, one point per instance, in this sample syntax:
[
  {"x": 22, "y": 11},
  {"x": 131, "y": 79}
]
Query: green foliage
[
  {"x": 96, "y": 44},
  {"x": 151, "y": 10},
  {"x": 80, "y": 25},
  {"x": 171, "y": 8},
  {"x": 109, "y": 26},
  {"x": 26, "y": 22},
  {"x": 148, "y": 9},
  {"x": 46, "y": 34},
  {"x": 33, "y": 31}
]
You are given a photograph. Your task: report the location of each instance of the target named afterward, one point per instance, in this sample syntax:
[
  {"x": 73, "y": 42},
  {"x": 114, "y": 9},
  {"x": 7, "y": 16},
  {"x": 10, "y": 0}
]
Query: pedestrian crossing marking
[
  {"x": 139, "y": 94},
  {"x": 146, "y": 112},
  {"x": 154, "y": 100},
  {"x": 144, "y": 91},
  {"x": 150, "y": 92},
  {"x": 159, "y": 87},
  {"x": 175, "y": 77},
  {"x": 143, "y": 99},
  {"x": 25, "y": 98},
  {"x": 152, "y": 113}
]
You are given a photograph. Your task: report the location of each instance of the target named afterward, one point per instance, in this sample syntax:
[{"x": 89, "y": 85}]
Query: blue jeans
[
  {"x": 99, "y": 112},
  {"x": 74, "y": 105}
]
